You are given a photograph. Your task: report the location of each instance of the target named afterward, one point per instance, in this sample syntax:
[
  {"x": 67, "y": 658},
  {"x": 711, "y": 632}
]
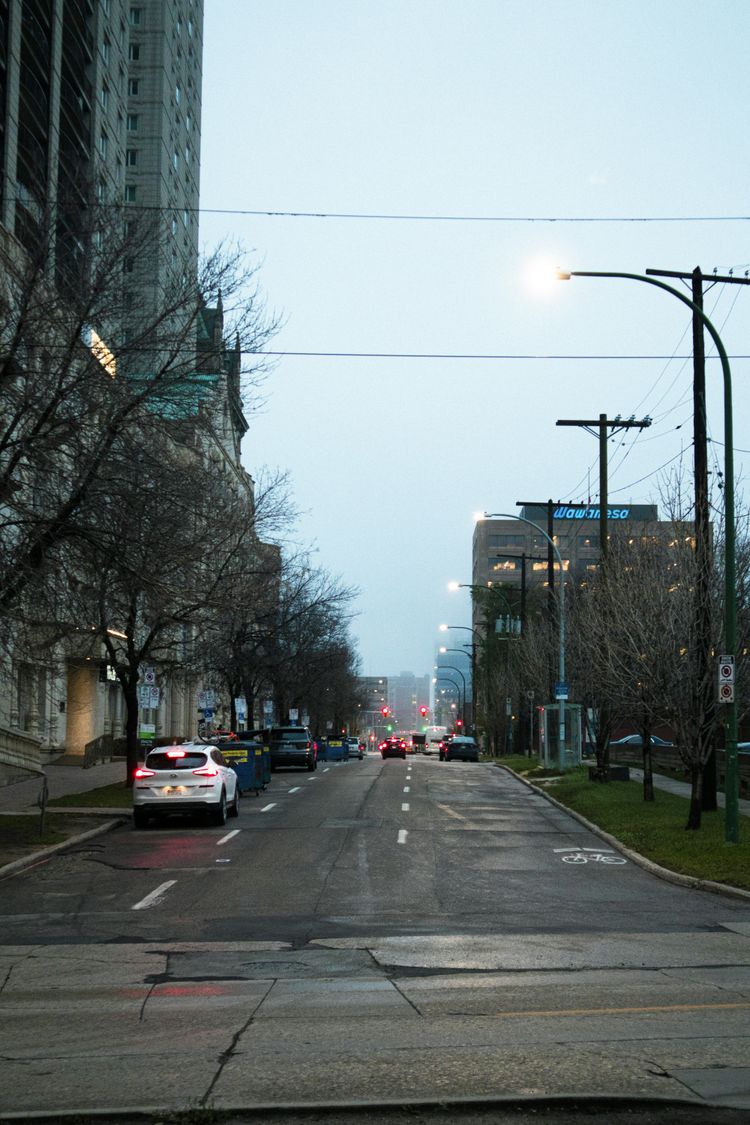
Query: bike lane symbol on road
[{"x": 590, "y": 855}]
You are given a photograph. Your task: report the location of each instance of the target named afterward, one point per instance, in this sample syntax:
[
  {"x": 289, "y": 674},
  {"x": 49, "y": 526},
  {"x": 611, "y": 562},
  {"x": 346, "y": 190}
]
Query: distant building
[{"x": 408, "y": 693}]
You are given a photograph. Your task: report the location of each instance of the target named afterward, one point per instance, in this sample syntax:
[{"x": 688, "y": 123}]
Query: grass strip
[
  {"x": 20, "y": 836},
  {"x": 115, "y": 796},
  {"x": 656, "y": 829}
]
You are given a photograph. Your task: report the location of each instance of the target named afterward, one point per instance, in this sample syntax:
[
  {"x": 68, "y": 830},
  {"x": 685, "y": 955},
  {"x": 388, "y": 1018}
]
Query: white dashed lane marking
[
  {"x": 155, "y": 897},
  {"x": 228, "y": 836},
  {"x": 296, "y": 789},
  {"x": 266, "y": 808},
  {"x": 405, "y": 806},
  {"x": 402, "y": 834},
  {"x": 406, "y": 789}
]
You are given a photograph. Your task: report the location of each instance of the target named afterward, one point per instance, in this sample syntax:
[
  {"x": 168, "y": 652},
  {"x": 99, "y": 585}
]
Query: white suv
[{"x": 189, "y": 777}]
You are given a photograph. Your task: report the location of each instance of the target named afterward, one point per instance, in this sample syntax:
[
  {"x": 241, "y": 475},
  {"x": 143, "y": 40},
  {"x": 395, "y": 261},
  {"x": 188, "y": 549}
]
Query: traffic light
[
  {"x": 423, "y": 712},
  {"x": 459, "y": 722},
  {"x": 385, "y": 711}
]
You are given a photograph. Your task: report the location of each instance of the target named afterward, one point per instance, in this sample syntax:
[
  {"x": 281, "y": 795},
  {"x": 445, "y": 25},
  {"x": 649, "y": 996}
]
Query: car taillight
[
  {"x": 143, "y": 772},
  {"x": 175, "y": 753},
  {"x": 206, "y": 771}
]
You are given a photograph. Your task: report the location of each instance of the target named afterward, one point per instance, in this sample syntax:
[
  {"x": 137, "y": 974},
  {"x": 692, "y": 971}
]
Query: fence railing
[{"x": 101, "y": 749}]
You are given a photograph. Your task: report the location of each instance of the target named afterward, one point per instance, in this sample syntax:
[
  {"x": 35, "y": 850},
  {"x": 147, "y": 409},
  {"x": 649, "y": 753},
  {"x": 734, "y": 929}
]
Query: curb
[
  {"x": 691, "y": 881},
  {"x": 268, "y": 1112},
  {"x": 44, "y": 853}
]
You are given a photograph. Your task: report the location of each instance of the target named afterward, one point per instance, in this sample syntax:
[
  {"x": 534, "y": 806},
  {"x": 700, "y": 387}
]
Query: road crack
[{"x": 226, "y": 1056}]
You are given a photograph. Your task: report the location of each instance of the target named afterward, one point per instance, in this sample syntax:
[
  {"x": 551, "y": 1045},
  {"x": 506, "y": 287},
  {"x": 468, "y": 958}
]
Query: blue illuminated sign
[{"x": 566, "y": 512}]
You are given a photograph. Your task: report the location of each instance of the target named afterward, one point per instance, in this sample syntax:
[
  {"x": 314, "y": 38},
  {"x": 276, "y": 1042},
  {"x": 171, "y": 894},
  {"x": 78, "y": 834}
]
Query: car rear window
[
  {"x": 292, "y": 734},
  {"x": 193, "y": 760}
]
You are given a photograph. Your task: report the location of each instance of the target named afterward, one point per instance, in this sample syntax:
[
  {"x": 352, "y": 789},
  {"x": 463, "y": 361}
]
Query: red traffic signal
[
  {"x": 423, "y": 711},
  {"x": 384, "y": 711},
  {"x": 459, "y": 722}
]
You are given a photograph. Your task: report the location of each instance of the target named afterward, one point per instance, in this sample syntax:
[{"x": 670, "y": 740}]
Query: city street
[{"x": 372, "y": 930}]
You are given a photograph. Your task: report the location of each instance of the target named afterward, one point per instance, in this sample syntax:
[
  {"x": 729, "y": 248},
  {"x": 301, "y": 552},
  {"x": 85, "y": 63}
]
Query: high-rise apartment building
[
  {"x": 100, "y": 104},
  {"x": 100, "y": 115}
]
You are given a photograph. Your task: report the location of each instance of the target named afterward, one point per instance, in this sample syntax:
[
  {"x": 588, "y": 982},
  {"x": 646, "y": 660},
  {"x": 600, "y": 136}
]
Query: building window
[
  {"x": 104, "y": 96},
  {"x": 134, "y": 52},
  {"x": 131, "y": 157},
  {"x": 132, "y": 123},
  {"x": 106, "y": 47},
  {"x": 135, "y": 17},
  {"x": 177, "y": 94},
  {"x": 175, "y": 159},
  {"x": 103, "y": 144},
  {"x": 185, "y": 218},
  {"x": 132, "y": 87},
  {"x": 506, "y": 540},
  {"x": 130, "y": 193}
]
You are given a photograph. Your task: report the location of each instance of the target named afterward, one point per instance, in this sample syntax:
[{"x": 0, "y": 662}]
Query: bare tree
[{"x": 82, "y": 356}]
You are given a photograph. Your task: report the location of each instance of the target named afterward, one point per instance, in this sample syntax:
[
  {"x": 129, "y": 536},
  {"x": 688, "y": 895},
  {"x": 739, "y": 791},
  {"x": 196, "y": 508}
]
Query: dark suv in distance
[
  {"x": 462, "y": 748},
  {"x": 292, "y": 746},
  {"x": 393, "y": 747}
]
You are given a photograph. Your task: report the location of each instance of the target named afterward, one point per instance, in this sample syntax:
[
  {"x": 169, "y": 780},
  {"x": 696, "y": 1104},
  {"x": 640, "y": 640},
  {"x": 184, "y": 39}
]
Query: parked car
[
  {"x": 189, "y": 777},
  {"x": 393, "y": 748},
  {"x": 356, "y": 748},
  {"x": 292, "y": 746},
  {"x": 462, "y": 748},
  {"x": 636, "y": 740}
]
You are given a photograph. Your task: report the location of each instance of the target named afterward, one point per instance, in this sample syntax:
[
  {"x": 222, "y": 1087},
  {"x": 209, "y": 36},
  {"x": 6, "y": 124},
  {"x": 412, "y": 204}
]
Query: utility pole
[
  {"x": 603, "y": 425},
  {"x": 524, "y": 559},
  {"x": 704, "y": 691},
  {"x": 549, "y": 505}
]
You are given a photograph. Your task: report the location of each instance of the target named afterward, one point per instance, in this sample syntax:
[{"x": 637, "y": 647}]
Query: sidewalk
[
  {"x": 23, "y": 796},
  {"x": 682, "y": 789}
]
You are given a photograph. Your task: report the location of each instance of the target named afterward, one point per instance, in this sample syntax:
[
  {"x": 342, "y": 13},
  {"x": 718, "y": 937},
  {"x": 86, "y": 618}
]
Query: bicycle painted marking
[{"x": 591, "y": 855}]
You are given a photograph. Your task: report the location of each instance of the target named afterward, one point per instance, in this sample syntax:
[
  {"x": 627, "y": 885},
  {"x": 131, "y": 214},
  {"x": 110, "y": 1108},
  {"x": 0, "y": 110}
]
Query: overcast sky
[{"x": 511, "y": 113}]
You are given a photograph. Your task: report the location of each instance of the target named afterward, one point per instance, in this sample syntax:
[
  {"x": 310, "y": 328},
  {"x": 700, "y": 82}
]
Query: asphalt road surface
[{"x": 371, "y": 931}]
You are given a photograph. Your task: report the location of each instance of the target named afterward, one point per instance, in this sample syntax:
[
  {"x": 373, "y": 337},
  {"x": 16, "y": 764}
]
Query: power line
[
  {"x": 414, "y": 218},
  {"x": 468, "y": 355}
]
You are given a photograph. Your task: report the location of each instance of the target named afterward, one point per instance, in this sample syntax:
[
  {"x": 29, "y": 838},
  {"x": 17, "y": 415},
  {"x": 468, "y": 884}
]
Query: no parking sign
[{"x": 726, "y": 679}]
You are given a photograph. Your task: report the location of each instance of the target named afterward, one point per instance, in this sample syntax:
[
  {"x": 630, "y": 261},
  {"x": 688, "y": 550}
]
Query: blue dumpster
[
  {"x": 337, "y": 749},
  {"x": 247, "y": 760}
]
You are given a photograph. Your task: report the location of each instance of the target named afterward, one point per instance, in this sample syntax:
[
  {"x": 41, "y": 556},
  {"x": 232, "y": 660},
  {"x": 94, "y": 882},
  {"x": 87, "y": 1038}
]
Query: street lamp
[
  {"x": 452, "y": 668},
  {"x": 448, "y": 680},
  {"x": 472, "y": 646},
  {"x": 561, "y": 690},
  {"x": 731, "y": 785}
]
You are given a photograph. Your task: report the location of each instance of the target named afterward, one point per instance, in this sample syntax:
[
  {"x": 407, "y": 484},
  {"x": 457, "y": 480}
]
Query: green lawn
[
  {"x": 656, "y": 829},
  {"x": 117, "y": 796},
  {"x": 19, "y": 835}
]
